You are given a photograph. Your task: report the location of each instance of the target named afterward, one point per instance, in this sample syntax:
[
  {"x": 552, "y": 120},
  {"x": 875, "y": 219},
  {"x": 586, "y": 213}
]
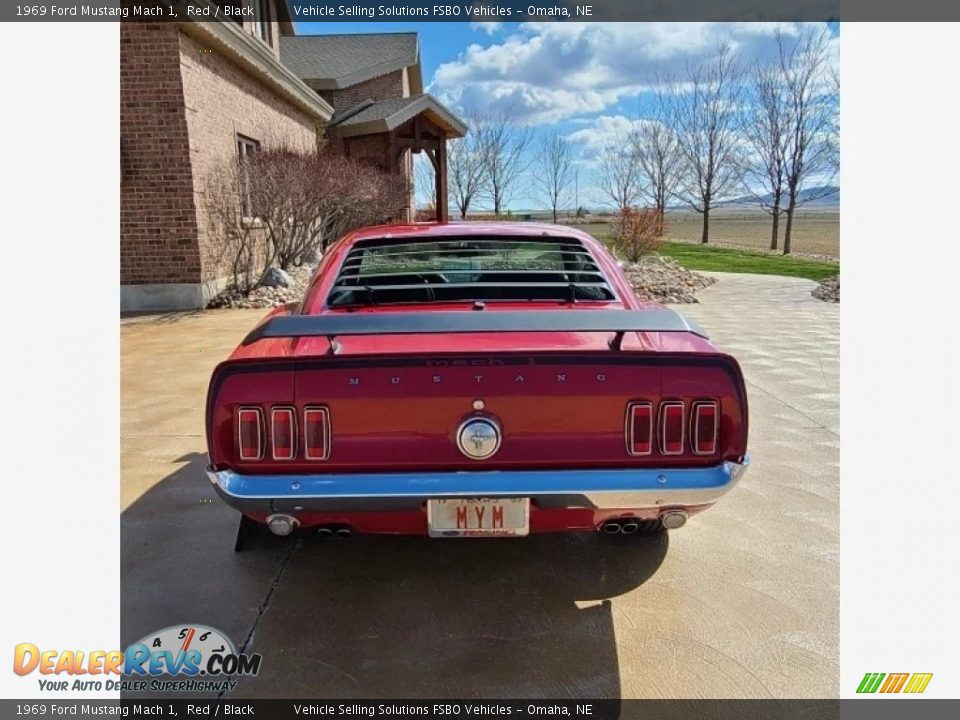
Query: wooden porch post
[{"x": 443, "y": 214}]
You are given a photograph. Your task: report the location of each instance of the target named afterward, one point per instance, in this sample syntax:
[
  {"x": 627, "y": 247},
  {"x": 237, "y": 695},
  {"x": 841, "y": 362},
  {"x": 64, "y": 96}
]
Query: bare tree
[
  {"x": 554, "y": 170},
  {"x": 467, "y": 167},
  {"x": 636, "y": 233},
  {"x": 833, "y": 88},
  {"x": 352, "y": 195},
  {"x": 811, "y": 116},
  {"x": 658, "y": 156},
  {"x": 618, "y": 174},
  {"x": 279, "y": 207},
  {"x": 236, "y": 238},
  {"x": 766, "y": 133},
  {"x": 283, "y": 203},
  {"x": 424, "y": 180},
  {"x": 704, "y": 111},
  {"x": 505, "y": 145}
]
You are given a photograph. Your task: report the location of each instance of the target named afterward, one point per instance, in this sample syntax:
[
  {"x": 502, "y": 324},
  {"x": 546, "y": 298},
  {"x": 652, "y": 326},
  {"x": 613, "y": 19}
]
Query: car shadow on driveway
[{"x": 380, "y": 617}]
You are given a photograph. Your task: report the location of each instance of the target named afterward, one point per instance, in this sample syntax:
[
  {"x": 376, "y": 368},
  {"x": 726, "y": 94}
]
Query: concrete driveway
[{"x": 742, "y": 602}]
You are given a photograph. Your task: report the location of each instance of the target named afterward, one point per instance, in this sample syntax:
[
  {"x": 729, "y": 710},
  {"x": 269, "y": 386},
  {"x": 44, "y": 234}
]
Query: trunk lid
[{"x": 555, "y": 406}]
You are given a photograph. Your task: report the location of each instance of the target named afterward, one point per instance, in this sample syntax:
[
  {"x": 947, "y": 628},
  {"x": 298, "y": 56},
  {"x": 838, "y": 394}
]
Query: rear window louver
[{"x": 458, "y": 269}]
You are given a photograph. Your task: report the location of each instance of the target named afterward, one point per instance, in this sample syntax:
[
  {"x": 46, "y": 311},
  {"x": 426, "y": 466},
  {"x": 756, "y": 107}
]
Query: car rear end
[{"x": 563, "y": 413}]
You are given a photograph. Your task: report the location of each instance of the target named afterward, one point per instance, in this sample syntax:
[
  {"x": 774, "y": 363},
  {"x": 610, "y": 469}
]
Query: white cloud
[
  {"x": 553, "y": 71},
  {"x": 489, "y": 27},
  {"x": 602, "y": 132}
]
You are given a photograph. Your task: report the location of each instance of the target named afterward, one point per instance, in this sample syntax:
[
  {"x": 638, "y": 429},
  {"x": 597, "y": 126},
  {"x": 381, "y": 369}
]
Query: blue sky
[{"x": 589, "y": 81}]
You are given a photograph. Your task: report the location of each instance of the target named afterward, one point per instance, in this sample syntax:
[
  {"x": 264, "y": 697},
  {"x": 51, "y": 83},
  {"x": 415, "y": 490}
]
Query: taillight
[
  {"x": 705, "y": 428},
  {"x": 316, "y": 433},
  {"x": 250, "y": 433},
  {"x": 282, "y": 433},
  {"x": 640, "y": 428},
  {"x": 671, "y": 428}
]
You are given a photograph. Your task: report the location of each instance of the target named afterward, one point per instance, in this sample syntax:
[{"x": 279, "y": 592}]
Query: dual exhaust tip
[
  {"x": 328, "y": 531},
  {"x": 621, "y": 526},
  {"x": 670, "y": 520},
  {"x": 283, "y": 525}
]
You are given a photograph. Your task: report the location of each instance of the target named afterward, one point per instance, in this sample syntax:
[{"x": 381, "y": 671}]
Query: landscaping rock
[
  {"x": 275, "y": 277},
  {"x": 266, "y": 297},
  {"x": 664, "y": 280},
  {"x": 828, "y": 290}
]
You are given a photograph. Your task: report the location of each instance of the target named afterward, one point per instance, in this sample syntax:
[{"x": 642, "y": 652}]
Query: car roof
[{"x": 435, "y": 230}]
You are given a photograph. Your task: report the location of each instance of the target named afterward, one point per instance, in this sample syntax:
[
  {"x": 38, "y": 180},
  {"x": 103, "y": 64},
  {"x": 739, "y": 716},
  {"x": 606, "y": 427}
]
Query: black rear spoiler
[{"x": 415, "y": 323}]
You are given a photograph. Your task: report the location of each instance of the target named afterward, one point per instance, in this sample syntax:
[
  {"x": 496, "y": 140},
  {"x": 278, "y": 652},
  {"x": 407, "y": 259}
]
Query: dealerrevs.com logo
[
  {"x": 184, "y": 658},
  {"x": 909, "y": 683}
]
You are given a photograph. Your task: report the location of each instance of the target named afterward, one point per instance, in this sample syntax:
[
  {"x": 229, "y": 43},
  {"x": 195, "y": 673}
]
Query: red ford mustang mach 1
[{"x": 474, "y": 380}]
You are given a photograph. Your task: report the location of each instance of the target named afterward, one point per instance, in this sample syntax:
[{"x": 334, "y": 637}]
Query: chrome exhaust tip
[
  {"x": 282, "y": 525},
  {"x": 673, "y": 519},
  {"x": 612, "y": 527},
  {"x": 344, "y": 533},
  {"x": 324, "y": 532},
  {"x": 629, "y": 527}
]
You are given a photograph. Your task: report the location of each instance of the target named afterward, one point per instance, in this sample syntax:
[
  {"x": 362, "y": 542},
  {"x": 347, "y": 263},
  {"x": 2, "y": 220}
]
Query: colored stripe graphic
[
  {"x": 918, "y": 682},
  {"x": 895, "y": 682},
  {"x": 870, "y": 682}
]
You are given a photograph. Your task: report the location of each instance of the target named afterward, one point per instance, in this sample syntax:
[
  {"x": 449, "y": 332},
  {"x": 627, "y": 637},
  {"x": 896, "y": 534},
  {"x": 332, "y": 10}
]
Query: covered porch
[{"x": 389, "y": 132}]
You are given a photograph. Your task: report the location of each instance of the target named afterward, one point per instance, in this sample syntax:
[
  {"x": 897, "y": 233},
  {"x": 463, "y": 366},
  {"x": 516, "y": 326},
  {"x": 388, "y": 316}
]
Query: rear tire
[{"x": 247, "y": 529}]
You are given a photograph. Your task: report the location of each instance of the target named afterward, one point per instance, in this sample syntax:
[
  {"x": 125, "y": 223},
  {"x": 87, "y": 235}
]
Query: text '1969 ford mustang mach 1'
[{"x": 474, "y": 380}]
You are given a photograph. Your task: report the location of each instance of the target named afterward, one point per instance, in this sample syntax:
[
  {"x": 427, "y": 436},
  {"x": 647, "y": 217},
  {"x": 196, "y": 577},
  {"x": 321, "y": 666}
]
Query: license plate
[{"x": 478, "y": 517}]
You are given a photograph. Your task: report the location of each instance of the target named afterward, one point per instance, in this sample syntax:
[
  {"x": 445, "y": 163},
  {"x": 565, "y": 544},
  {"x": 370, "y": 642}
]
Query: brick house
[{"x": 193, "y": 95}]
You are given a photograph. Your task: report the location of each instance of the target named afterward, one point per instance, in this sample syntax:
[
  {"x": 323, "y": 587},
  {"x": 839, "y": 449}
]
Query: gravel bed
[
  {"x": 828, "y": 290},
  {"x": 663, "y": 279},
  {"x": 266, "y": 297}
]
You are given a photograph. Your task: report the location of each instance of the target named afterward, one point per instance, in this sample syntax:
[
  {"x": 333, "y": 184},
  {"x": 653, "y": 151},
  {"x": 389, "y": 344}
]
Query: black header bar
[{"x": 479, "y": 10}]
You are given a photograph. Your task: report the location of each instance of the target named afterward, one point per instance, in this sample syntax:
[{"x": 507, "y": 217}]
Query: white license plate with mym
[{"x": 478, "y": 517}]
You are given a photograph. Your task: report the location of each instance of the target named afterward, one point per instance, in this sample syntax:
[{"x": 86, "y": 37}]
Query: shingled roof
[
  {"x": 332, "y": 62},
  {"x": 371, "y": 117}
]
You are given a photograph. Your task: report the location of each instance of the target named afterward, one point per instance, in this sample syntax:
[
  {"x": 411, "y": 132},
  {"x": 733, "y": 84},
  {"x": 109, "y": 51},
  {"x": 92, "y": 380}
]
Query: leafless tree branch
[
  {"x": 553, "y": 170},
  {"x": 704, "y": 107}
]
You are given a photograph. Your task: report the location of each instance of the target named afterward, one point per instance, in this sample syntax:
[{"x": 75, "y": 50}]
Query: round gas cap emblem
[{"x": 478, "y": 438}]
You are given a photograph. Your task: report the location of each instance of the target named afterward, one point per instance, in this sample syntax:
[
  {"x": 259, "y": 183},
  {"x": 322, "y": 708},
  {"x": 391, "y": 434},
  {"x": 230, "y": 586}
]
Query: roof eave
[
  {"x": 426, "y": 103},
  {"x": 257, "y": 60},
  {"x": 345, "y": 81}
]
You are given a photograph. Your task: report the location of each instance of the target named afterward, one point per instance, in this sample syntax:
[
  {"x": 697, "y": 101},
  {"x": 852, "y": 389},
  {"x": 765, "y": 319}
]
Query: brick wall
[
  {"x": 222, "y": 102},
  {"x": 386, "y": 87},
  {"x": 182, "y": 107},
  {"x": 158, "y": 223}
]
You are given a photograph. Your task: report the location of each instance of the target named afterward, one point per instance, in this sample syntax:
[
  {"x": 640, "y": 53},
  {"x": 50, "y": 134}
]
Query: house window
[
  {"x": 261, "y": 21},
  {"x": 246, "y": 147}
]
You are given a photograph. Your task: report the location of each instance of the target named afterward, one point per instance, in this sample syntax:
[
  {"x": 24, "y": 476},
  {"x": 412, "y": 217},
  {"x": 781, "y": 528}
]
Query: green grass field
[
  {"x": 704, "y": 257},
  {"x": 742, "y": 242}
]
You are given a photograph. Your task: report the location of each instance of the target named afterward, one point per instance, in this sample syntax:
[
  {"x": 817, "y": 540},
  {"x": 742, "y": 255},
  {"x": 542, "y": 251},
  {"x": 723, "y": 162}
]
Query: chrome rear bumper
[{"x": 599, "y": 489}]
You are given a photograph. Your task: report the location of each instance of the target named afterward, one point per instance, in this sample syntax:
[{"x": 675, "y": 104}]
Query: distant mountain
[{"x": 824, "y": 196}]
